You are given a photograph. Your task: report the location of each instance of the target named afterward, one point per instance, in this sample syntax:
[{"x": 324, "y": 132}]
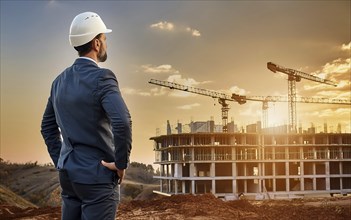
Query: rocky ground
[{"x": 206, "y": 207}]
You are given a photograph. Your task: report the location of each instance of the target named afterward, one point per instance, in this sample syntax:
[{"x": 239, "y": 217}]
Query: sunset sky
[{"x": 217, "y": 45}]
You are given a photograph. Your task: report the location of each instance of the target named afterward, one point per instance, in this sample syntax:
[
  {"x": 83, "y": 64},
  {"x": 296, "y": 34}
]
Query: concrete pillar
[
  {"x": 287, "y": 174},
  {"x": 340, "y": 139},
  {"x": 192, "y": 170},
  {"x": 314, "y": 153},
  {"x": 302, "y": 173},
  {"x": 260, "y": 174},
  {"x": 327, "y": 173},
  {"x": 245, "y": 186},
  {"x": 178, "y": 171},
  {"x": 232, "y": 140},
  {"x": 192, "y": 154},
  {"x": 300, "y": 140},
  {"x": 193, "y": 187},
  {"x": 183, "y": 187},
  {"x": 314, "y": 184},
  {"x": 175, "y": 186},
  {"x": 213, "y": 187},
  {"x": 213, "y": 170},
  {"x": 161, "y": 185},
  {"x": 212, "y": 139}
]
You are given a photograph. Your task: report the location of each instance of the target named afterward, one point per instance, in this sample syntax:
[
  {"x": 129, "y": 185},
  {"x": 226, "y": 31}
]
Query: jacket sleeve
[
  {"x": 118, "y": 113},
  {"x": 51, "y": 133}
]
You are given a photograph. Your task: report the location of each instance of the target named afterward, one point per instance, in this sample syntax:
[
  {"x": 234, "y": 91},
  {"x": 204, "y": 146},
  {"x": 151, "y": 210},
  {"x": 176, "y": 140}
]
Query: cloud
[
  {"x": 338, "y": 71},
  {"x": 193, "y": 32},
  {"x": 237, "y": 90},
  {"x": 169, "y": 26},
  {"x": 184, "y": 81},
  {"x": 158, "y": 91},
  {"x": 163, "y": 25},
  {"x": 327, "y": 113},
  {"x": 337, "y": 68},
  {"x": 131, "y": 91},
  {"x": 188, "y": 107},
  {"x": 164, "y": 68},
  {"x": 346, "y": 47}
]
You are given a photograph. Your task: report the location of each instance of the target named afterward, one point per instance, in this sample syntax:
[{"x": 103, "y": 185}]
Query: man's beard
[{"x": 102, "y": 55}]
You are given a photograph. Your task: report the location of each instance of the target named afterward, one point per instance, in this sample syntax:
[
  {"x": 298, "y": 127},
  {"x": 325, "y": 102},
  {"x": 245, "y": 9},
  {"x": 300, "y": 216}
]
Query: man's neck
[
  {"x": 88, "y": 58},
  {"x": 92, "y": 56}
]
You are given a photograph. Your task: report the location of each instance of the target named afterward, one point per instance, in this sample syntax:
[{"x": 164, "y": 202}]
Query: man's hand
[{"x": 112, "y": 166}]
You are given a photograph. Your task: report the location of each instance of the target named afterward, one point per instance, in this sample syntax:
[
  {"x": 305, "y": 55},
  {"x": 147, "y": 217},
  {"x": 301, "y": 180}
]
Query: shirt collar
[{"x": 88, "y": 58}]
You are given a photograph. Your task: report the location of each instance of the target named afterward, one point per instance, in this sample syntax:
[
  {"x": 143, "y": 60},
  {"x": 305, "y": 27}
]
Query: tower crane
[
  {"x": 293, "y": 77},
  {"x": 223, "y": 98},
  {"x": 299, "y": 99}
]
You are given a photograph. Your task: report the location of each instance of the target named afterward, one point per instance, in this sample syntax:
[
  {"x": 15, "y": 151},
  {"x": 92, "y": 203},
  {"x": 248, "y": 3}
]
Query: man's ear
[{"x": 96, "y": 44}]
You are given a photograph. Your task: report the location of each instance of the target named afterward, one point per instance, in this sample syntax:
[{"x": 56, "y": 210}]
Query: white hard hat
[{"x": 85, "y": 27}]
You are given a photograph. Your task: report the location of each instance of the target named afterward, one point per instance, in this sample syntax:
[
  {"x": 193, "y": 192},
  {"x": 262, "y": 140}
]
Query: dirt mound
[
  {"x": 206, "y": 207},
  {"x": 43, "y": 213},
  {"x": 10, "y": 198}
]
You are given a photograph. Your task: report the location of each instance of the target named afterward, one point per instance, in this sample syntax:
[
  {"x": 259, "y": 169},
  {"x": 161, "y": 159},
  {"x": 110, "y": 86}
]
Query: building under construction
[{"x": 257, "y": 163}]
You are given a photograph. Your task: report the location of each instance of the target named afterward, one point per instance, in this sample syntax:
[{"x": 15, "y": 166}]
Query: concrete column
[
  {"x": 243, "y": 139},
  {"x": 192, "y": 154},
  {"x": 183, "y": 187},
  {"x": 192, "y": 170},
  {"x": 245, "y": 186},
  {"x": 287, "y": 181},
  {"x": 314, "y": 153},
  {"x": 212, "y": 139},
  {"x": 193, "y": 186},
  {"x": 213, "y": 170},
  {"x": 260, "y": 177},
  {"x": 300, "y": 140},
  {"x": 314, "y": 184},
  {"x": 234, "y": 187},
  {"x": 175, "y": 186},
  {"x": 302, "y": 173},
  {"x": 234, "y": 173},
  {"x": 213, "y": 187},
  {"x": 232, "y": 140},
  {"x": 161, "y": 186},
  {"x": 327, "y": 173},
  {"x": 339, "y": 140}
]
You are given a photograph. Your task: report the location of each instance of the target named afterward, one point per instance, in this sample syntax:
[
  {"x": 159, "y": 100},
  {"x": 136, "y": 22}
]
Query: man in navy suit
[{"x": 87, "y": 127}]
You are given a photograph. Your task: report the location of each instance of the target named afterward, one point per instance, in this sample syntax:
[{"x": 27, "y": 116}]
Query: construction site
[{"x": 259, "y": 162}]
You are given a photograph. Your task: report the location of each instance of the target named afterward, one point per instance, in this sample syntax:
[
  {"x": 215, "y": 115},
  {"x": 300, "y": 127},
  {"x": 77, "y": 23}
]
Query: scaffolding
[{"x": 274, "y": 165}]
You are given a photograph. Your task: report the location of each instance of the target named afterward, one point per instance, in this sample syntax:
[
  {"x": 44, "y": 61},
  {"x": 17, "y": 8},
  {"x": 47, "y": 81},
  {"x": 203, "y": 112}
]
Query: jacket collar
[{"x": 85, "y": 61}]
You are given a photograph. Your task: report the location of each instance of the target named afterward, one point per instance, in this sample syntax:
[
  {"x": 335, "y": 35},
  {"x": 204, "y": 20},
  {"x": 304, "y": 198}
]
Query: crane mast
[{"x": 293, "y": 77}]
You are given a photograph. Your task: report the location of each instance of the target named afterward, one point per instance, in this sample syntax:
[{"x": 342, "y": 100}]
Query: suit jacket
[{"x": 86, "y": 121}]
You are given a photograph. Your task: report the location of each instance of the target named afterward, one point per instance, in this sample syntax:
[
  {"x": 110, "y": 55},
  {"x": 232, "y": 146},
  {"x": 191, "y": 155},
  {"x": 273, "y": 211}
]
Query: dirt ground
[{"x": 205, "y": 207}]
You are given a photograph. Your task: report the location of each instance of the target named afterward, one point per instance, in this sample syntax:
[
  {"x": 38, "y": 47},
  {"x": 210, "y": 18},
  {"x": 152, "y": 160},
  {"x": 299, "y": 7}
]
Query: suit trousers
[{"x": 88, "y": 201}]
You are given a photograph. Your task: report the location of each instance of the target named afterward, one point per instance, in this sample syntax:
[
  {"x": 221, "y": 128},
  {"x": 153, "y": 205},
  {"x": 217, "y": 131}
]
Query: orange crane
[
  {"x": 223, "y": 98},
  {"x": 293, "y": 77}
]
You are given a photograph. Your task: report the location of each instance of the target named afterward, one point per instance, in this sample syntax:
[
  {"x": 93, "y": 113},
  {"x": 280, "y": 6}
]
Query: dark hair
[{"x": 86, "y": 48}]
